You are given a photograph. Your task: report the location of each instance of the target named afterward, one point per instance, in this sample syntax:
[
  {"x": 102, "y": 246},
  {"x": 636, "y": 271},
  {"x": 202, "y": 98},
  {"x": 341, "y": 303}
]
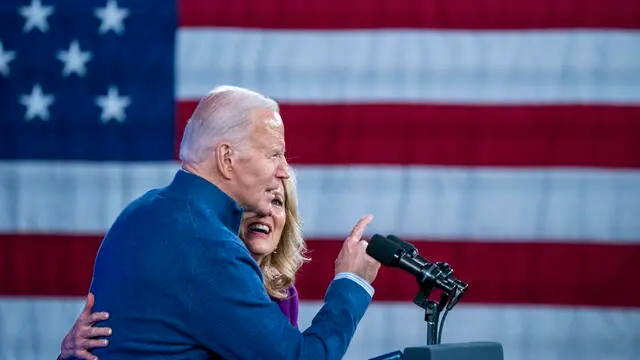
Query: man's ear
[{"x": 224, "y": 159}]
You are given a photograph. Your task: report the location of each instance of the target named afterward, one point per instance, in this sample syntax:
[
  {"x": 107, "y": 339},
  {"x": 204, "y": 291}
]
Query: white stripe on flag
[
  {"x": 368, "y": 66},
  {"x": 527, "y": 333},
  {"x": 425, "y": 202}
]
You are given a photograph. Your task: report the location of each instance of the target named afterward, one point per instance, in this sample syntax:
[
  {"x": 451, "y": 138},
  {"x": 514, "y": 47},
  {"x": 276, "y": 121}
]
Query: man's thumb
[{"x": 88, "y": 305}]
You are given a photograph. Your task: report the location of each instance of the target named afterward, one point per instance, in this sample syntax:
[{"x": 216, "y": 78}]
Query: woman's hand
[{"x": 82, "y": 336}]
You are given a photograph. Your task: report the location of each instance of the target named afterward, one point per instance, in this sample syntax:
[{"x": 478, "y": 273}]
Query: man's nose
[{"x": 283, "y": 169}]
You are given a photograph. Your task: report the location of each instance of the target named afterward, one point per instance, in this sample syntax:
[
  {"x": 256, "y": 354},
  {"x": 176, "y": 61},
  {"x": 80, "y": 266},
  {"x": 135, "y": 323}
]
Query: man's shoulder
[
  {"x": 178, "y": 211},
  {"x": 223, "y": 238},
  {"x": 150, "y": 212},
  {"x": 153, "y": 200},
  {"x": 161, "y": 214}
]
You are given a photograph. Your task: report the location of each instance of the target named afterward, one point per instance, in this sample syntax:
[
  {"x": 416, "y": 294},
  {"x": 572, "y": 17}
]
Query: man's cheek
[{"x": 268, "y": 170}]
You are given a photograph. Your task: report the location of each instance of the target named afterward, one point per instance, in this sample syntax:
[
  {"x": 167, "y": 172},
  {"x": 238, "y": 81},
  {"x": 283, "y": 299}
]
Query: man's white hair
[{"x": 222, "y": 115}]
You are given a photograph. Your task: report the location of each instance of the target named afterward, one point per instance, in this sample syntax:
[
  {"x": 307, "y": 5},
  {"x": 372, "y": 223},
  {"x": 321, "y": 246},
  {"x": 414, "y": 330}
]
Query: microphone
[
  {"x": 444, "y": 267},
  {"x": 394, "y": 252},
  {"x": 391, "y": 251},
  {"x": 404, "y": 244},
  {"x": 411, "y": 251}
]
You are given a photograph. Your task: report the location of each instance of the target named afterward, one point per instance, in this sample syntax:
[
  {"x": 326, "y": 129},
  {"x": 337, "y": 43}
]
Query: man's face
[{"x": 261, "y": 163}]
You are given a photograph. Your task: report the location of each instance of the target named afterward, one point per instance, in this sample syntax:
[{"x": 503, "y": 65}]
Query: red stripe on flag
[
  {"x": 504, "y": 273},
  {"x": 47, "y": 264},
  {"x": 590, "y": 135},
  {"x": 437, "y": 14},
  {"x": 507, "y": 273}
]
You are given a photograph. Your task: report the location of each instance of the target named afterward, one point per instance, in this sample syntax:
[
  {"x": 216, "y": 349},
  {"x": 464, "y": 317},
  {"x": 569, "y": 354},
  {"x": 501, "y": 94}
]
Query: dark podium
[
  {"x": 455, "y": 351},
  {"x": 394, "y": 252}
]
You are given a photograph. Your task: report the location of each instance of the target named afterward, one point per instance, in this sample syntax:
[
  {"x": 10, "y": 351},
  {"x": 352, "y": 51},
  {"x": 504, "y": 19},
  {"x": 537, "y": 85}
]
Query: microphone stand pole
[{"x": 431, "y": 315}]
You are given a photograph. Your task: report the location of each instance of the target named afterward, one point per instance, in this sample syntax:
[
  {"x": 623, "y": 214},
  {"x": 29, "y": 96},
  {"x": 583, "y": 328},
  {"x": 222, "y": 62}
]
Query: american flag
[{"x": 502, "y": 137}]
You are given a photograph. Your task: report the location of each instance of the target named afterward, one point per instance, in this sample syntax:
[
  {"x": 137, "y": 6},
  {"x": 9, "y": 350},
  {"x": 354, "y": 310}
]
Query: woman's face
[{"x": 261, "y": 234}]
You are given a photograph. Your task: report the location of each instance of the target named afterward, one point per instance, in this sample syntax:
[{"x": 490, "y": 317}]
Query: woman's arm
[{"x": 82, "y": 335}]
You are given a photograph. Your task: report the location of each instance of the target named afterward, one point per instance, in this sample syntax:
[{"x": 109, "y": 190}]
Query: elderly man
[{"x": 179, "y": 283}]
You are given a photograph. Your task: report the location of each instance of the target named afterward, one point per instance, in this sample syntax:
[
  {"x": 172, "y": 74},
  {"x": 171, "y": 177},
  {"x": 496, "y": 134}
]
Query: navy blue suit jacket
[{"x": 179, "y": 284}]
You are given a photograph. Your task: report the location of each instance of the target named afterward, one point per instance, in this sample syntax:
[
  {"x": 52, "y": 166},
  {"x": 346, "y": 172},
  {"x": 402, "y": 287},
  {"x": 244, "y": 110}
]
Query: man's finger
[
  {"x": 92, "y": 318},
  {"x": 99, "y": 331},
  {"x": 88, "y": 305},
  {"x": 90, "y": 344},
  {"x": 84, "y": 354},
  {"x": 358, "y": 229},
  {"x": 93, "y": 332},
  {"x": 98, "y": 316},
  {"x": 363, "y": 244}
]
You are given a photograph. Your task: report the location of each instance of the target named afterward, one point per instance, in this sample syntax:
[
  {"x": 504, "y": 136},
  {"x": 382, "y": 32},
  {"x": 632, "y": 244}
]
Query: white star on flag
[
  {"x": 113, "y": 105},
  {"x": 74, "y": 59},
  {"x": 36, "y": 16},
  {"x": 37, "y": 103},
  {"x": 112, "y": 17},
  {"x": 5, "y": 59}
]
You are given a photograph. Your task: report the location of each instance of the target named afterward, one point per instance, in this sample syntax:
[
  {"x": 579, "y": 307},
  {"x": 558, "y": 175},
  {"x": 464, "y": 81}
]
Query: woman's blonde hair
[{"x": 280, "y": 267}]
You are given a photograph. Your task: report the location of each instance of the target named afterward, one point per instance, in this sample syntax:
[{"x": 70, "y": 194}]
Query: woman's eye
[{"x": 277, "y": 202}]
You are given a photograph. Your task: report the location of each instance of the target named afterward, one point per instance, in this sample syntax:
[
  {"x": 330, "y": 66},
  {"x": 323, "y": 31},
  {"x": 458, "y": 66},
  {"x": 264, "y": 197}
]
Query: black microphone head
[
  {"x": 387, "y": 252},
  {"x": 404, "y": 244},
  {"x": 410, "y": 250}
]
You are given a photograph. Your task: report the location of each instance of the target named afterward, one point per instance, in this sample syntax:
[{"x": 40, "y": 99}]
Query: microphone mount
[
  {"x": 448, "y": 299},
  {"x": 395, "y": 252}
]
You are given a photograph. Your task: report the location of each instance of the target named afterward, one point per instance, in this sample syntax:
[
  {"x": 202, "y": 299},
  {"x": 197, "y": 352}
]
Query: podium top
[{"x": 479, "y": 350}]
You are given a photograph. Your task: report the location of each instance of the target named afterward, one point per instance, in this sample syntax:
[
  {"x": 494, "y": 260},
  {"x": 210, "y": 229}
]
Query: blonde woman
[{"x": 275, "y": 243}]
